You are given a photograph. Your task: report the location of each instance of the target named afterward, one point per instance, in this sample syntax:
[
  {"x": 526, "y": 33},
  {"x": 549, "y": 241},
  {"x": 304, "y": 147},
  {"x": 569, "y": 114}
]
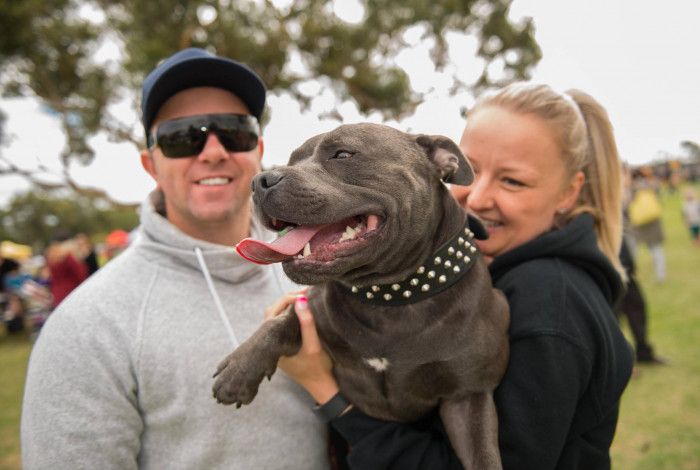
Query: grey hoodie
[{"x": 121, "y": 374}]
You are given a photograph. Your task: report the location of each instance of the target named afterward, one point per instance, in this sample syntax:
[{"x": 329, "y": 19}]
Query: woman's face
[{"x": 520, "y": 179}]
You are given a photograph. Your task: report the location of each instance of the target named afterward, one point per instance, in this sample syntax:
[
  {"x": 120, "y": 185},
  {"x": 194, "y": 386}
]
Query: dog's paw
[{"x": 239, "y": 375}]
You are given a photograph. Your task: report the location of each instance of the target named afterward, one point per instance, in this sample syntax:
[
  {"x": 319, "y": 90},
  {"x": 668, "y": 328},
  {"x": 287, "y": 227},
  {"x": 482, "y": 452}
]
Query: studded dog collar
[{"x": 441, "y": 270}]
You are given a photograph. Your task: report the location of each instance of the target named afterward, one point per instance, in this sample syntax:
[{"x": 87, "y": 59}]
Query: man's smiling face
[{"x": 211, "y": 189}]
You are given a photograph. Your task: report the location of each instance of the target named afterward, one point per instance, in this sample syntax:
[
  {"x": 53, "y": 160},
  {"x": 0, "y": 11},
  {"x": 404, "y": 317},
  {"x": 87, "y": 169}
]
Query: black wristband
[{"x": 332, "y": 408}]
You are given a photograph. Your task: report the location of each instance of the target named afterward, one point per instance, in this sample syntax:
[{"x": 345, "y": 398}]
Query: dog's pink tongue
[{"x": 284, "y": 248}]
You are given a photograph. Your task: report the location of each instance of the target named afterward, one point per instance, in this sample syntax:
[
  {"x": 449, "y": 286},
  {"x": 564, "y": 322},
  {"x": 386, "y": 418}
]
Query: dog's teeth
[
  {"x": 307, "y": 250},
  {"x": 349, "y": 234}
]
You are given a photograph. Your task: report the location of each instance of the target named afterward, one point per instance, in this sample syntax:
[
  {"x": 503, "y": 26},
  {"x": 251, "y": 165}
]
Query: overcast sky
[{"x": 639, "y": 58}]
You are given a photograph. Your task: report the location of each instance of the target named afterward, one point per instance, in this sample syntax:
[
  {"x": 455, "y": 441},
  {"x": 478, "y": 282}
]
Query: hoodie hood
[
  {"x": 159, "y": 237},
  {"x": 574, "y": 243}
]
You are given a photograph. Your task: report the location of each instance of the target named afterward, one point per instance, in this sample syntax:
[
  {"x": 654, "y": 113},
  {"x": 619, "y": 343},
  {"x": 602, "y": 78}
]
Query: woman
[{"x": 548, "y": 189}]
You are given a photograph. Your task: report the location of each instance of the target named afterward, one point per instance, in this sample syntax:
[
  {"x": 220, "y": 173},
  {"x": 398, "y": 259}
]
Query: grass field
[{"x": 659, "y": 425}]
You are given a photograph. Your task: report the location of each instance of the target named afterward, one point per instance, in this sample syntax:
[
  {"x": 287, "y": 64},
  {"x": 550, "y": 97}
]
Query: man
[{"x": 121, "y": 375}]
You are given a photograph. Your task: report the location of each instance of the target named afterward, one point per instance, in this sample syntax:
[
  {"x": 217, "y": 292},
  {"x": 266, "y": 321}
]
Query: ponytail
[{"x": 602, "y": 194}]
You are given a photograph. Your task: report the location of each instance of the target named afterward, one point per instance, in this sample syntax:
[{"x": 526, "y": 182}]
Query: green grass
[
  {"x": 14, "y": 352},
  {"x": 659, "y": 424}
]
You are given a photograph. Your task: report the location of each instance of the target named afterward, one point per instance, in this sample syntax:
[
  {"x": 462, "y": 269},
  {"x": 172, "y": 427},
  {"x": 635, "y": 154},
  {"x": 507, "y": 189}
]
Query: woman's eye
[
  {"x": 512, "y": 182},
  {"x": 341, "y": 154}
]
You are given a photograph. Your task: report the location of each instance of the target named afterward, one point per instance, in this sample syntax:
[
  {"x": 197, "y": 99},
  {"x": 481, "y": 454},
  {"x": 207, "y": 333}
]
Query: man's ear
[
  {"x": 148, "y": 164},
  {"x": 261, "y": 149},
  {"x": 448, "y": 159}
]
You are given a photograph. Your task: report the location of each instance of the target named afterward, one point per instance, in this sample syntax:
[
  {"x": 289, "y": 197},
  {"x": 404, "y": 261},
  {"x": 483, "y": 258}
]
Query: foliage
[
  {"x": 692, "y": 149},
  {"x": 33, "y": 218},
  {"x": 55, "y": 50}
]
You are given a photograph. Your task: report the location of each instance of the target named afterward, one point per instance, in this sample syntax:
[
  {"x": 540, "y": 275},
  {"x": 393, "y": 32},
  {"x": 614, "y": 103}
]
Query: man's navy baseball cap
[{"x": 196, "y": 67}]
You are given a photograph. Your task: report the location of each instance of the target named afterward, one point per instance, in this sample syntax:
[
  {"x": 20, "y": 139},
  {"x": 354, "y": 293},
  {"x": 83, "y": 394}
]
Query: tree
[
  {"x": 692, "y": 149},
  {"x": 54, "y": 50},
  {"x": 33, "y": 218}
]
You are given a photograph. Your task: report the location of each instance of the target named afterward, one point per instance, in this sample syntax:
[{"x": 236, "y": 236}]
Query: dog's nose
[{"x": 266, "y": 180}]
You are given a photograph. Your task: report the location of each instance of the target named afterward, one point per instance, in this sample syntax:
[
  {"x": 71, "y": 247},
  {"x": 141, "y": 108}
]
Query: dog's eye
[{"x": 341, "y": 154}]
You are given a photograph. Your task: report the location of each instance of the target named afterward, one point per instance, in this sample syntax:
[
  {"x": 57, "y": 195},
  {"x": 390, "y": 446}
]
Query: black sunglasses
[{"x": 185, "y": 137}]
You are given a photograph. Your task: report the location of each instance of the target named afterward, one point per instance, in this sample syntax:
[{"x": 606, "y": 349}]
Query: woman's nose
[{"x": 480, "y": 196}]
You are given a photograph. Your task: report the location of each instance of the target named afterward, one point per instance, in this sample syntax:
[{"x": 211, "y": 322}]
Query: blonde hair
[{"x": 585, "y": 137}]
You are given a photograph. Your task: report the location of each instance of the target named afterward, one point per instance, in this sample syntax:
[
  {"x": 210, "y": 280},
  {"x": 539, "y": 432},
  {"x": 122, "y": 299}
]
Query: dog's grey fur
[{"x": 449, "y": 350}]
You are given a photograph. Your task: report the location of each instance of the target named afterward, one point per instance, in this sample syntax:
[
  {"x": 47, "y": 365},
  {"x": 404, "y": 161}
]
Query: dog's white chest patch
[{"x": 380, "y": 364}]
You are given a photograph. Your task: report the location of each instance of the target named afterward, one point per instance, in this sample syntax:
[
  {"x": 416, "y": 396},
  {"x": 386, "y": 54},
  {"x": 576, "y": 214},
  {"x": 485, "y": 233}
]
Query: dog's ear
[{"x": 447, "y": 157}]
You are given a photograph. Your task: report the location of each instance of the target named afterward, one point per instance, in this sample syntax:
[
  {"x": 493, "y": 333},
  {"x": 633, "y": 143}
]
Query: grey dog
[{"x": 403, "y": 302}]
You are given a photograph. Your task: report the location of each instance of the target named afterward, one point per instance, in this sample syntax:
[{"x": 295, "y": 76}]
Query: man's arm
[{"x": 79, "y": 407}]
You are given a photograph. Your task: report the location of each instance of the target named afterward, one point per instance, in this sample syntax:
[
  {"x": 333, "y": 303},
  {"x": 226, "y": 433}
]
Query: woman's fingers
[
  {"x": 280, "y": 305},
  {"x": 310, "y": 342},
  {"x": 283, "y": 302}
]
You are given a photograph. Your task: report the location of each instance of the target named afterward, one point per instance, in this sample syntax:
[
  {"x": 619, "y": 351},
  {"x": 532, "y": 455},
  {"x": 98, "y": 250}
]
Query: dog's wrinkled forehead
[
  {"x": 365, "y": 137},
  {"x": 368, "y": 147}
]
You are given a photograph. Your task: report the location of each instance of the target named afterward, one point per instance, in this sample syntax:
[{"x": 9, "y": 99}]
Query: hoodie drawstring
[{"x": 215, "y": 296}]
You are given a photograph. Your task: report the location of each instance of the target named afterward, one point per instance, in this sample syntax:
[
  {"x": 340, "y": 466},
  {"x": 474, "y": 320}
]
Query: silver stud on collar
[{"x": 446, "y": 272}]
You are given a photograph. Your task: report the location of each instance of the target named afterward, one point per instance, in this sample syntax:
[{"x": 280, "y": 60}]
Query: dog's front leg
[
  {"x": 239, "y": 375},
  {"x": 472, "y": 426}
]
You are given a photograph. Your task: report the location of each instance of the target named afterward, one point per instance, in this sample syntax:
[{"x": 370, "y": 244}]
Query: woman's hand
[{"x": 311, "y": 367}]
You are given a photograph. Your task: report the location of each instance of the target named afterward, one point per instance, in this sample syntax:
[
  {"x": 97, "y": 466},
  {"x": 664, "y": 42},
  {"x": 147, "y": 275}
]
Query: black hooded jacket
[{"x": 569, "y": 363}]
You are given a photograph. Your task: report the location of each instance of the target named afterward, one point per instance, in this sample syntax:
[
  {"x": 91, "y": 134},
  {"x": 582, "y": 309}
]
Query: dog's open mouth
[{"x": 309, "y": 242}]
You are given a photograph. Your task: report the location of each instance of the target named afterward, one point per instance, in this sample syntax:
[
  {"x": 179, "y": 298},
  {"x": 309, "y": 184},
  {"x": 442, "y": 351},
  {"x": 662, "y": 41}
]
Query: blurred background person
[
  {"x": 87, "y": 253},
  {"x": 633, "y": 307},
  {"x": 115, "y": 242},
  {"x": 67, "y": 270},
  {"x": 691, "y": 214},
  {"x": 645, "y": 211},
  {"x": 11, "y": 308}
]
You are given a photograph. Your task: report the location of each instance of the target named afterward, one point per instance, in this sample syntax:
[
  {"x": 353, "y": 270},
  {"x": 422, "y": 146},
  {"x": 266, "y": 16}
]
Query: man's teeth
[{"x": 214, "y": 181}]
